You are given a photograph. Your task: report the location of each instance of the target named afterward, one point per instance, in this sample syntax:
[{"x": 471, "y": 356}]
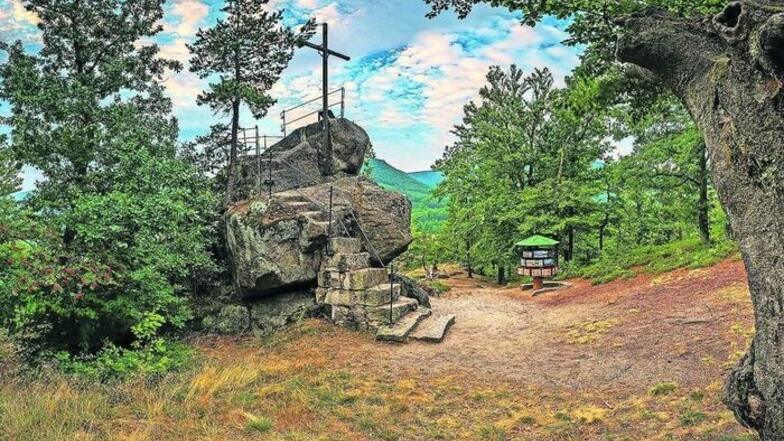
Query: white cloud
[{"x": 190, "y": 13}]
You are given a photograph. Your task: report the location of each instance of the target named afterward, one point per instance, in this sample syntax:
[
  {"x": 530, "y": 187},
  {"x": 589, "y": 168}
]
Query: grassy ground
[
  {"x": 263, "y": 391},
  {"x": 572, "y": 367}
]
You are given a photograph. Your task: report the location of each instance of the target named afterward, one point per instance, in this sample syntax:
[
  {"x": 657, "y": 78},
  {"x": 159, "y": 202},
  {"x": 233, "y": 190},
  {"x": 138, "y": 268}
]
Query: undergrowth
[{"x": 652, "y": 259}]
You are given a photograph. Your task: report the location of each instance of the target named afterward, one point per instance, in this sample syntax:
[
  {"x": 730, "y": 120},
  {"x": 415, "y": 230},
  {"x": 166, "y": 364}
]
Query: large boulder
[
  {"x": 295, "y": 160},
  {"x": 278, "y": 245},
  {"x": 273, "y": 247}
]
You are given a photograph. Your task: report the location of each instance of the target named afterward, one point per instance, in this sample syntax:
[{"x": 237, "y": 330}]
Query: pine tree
[
  {"x": 9, "y": 170},
  {"x": 247, "y": 51}
]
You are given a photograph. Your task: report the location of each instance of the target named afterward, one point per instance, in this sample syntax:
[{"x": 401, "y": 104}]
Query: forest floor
[{"x": 637, "y": 359}]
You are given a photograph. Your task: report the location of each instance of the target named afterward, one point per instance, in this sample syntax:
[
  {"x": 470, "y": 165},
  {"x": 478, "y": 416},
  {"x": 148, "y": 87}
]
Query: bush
[{"x": 99, "y": 301}]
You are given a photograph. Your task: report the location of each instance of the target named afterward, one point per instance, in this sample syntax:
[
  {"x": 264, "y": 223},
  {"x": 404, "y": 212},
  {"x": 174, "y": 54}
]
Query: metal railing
[{"x": 287, "y": 121}]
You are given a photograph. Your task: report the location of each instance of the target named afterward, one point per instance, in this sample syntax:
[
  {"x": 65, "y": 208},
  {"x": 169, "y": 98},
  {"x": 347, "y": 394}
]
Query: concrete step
[
  {"x": 346, "y": 262},
  {"x": 399, "y": 331},
  {"x": 434, "y": 328},
  {"x": 381, "y": 314},
  {"x": 369, "y": 297},
  {"x": 345, "y": 245}
]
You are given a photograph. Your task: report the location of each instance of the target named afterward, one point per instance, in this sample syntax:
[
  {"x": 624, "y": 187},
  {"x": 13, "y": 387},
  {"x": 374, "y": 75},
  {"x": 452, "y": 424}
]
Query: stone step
[
  {"x": 399, "y": 331},
  {"x": 316, "y": 215},
  {"x": 357, "y": 280},
  {"x": 434, "y": 328},
  {"x": 302, "y": 206},
  {"x": 346, "y": 262},
  {"x": 290, "y": 196},
  {"x": 369, "y": 297},
  {"x": 323, "y": 225},
  {"x": 381, "y": 314},
  {"x": 345, "y": 245}
]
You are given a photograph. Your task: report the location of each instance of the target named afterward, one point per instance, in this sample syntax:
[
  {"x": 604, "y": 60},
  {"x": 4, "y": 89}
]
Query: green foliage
[
  {"x": 663, "y": 389},
  {"x": 428, "y": 213},
  {"x": 523, "y": 164},
  {"x": 98, "y": 264},
  {"x": 259, "y": 424},
  {"x": 246, "y": 51},
  {"x": 439, "y": 287},
  {"x": 9, "y": 170},
  {"x": 654, "y": 259}
]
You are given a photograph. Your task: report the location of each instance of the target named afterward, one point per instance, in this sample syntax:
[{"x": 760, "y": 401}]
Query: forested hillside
[{"x": 429, "y": 212}]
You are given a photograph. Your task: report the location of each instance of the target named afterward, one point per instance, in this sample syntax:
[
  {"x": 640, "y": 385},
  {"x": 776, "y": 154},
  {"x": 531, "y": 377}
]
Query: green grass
[
  {"x": 653, "y": 259},
  {"x": 663, "y": 389},
  {"x": 259, "y": 424},
  {"x": 439, "y": 287}
]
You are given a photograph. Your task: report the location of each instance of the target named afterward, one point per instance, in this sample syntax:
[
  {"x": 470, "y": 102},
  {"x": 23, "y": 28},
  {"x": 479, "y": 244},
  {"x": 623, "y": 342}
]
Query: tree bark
[
  {"x": 729, "y": 71},
  {"x": 231, "y": 178}
]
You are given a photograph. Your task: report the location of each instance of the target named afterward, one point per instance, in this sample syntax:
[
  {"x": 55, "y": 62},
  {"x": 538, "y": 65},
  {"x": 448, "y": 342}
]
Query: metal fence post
[
  {"x": 329, "y": 223},
  {"x": 269, "y": 168},
  {"x": 391, "y": 290},
  {"x": 258, "y": 163},
  {"x": 342, "y": 102}
]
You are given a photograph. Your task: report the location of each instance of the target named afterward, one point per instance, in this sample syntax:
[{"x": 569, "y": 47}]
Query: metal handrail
[
  {"x": 340, "y": 89},
  {"x": 285, "y": 124}
]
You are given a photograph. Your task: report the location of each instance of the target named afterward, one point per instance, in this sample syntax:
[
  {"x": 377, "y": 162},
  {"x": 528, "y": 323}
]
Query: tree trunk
[
  {"x": 730, "y": 74},
  {"x": 703, "y": 207},
  {"x": 500, "y": 279},
  {"x": 231, "y": 178}
]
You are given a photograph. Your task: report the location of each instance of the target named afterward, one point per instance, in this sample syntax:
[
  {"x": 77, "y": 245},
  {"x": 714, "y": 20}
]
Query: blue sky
[{"x": 406, "y": 84}]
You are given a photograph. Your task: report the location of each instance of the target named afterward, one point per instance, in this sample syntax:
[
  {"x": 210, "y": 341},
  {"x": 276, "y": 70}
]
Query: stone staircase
[
  {"x": 299, "y": 203},
  {"x": 362, "y": 297}
]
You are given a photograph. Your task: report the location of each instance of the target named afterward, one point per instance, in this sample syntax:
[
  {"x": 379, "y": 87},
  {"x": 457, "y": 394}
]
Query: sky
[{"x": 407, "y": 81}]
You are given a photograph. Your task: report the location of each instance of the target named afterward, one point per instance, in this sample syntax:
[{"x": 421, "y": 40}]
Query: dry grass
[
  {"x": 291, "y": 389},
  {"x": 319, "y": 382}
]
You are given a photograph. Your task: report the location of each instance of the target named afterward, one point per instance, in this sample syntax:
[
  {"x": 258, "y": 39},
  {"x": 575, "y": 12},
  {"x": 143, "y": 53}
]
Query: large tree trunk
[{"x": 729, "y": 73}]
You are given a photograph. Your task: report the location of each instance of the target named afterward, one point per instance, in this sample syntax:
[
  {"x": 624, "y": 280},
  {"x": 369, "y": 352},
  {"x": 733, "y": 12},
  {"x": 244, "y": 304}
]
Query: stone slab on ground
[
  {"x": 434, "y": 328},
  {"x": 399, "y": 331}
]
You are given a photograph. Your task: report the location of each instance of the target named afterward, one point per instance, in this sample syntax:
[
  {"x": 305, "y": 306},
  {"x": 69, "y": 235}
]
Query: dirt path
[{"x": 685, "y": 327}]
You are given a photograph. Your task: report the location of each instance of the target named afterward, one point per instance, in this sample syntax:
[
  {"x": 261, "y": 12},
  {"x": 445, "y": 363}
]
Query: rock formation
[
  {"x": 281, "y": 248},
  {"x": 294, "y": 160}
]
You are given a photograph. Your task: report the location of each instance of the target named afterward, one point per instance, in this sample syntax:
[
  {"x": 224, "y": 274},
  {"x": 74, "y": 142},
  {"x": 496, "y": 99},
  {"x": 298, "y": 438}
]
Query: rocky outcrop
[
  {"x": 262, "y": 316},
  {"x": 295, "y": 159},
  {"x": 278, "y": 245},
  {"x": 291, "y": 257}
]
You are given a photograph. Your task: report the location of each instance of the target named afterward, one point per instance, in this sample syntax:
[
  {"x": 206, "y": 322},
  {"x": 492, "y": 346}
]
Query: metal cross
[{"x": 325, "y": 53}]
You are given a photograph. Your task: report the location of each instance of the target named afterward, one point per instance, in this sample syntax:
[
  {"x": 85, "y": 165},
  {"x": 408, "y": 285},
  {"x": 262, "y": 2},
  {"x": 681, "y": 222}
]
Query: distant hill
[
  {"x": 393, "y": 179},
  {"x": 428, "y": 177},
  {"x": 428, "y": 213}
]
